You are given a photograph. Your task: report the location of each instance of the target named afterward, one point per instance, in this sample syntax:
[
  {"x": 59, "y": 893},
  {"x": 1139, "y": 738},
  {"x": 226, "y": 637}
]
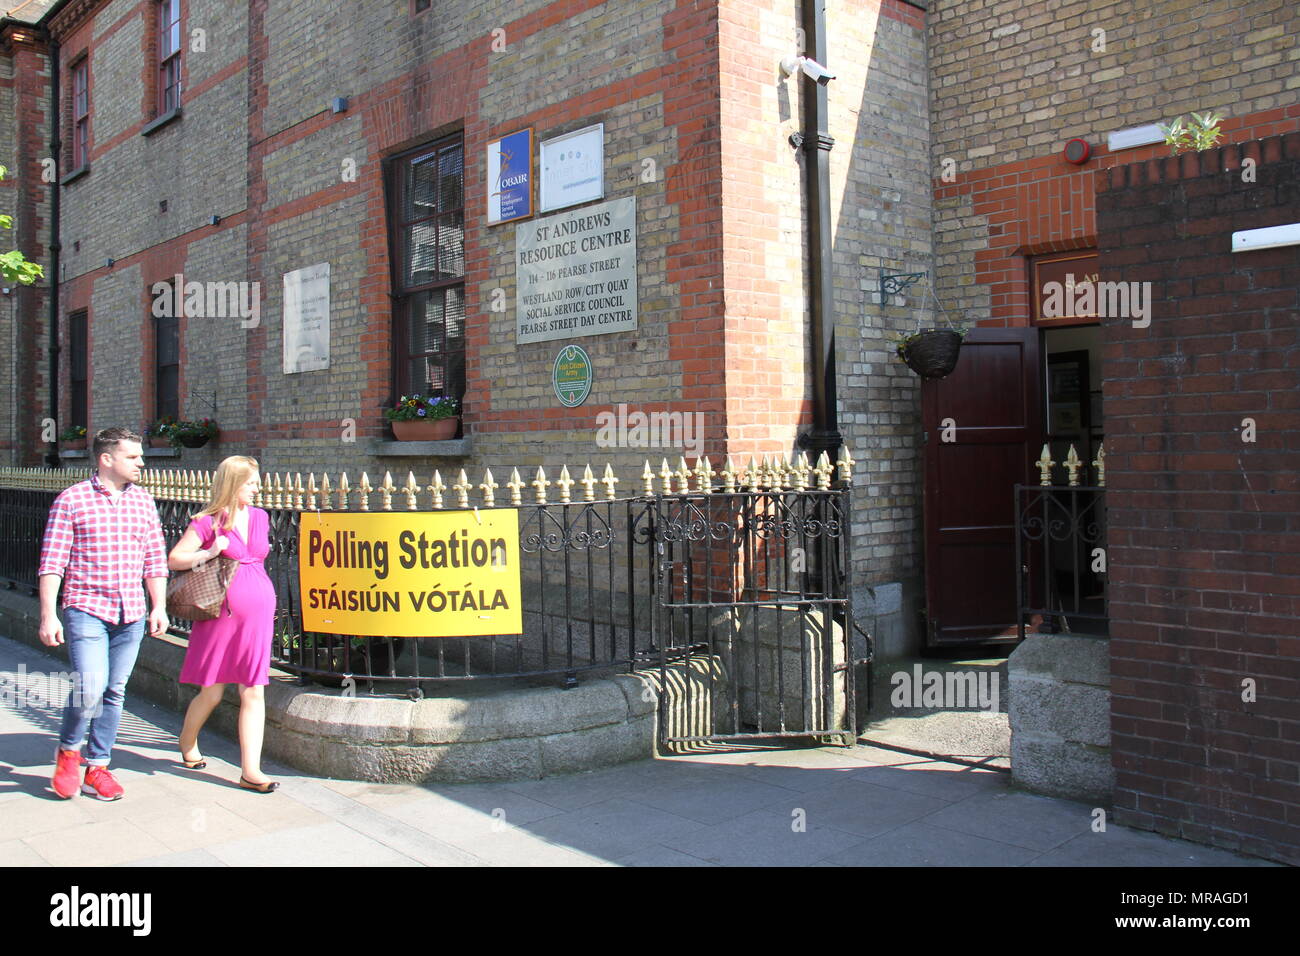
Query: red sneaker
[
  {"x": 100, "y": 783},
  {"x": 65, "y": 772}
]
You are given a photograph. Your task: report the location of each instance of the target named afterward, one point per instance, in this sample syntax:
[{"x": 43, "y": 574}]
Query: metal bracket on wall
[
  {"x": 211, "y": 404},
  {"x": 892, "y": 283}
]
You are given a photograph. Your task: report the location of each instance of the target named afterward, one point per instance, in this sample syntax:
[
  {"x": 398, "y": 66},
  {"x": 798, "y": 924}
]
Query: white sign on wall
[
  {"x": 307, "y": 319},
  {"x": 576, "y": 273},
  {"x": 573, "y": 168}
]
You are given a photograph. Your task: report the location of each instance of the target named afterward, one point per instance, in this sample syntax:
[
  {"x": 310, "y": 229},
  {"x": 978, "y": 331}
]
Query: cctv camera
[
  {"x": 815, "y": 70},
  {"x": 809, "y": 66}
]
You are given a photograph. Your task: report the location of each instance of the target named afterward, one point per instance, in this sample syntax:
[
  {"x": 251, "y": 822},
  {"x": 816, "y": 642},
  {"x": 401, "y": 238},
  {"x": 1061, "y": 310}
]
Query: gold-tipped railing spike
[
  {"x": 1072, "y": 466},
  {"x": 823, "y": 470},
  {"x": 364, "y": 489},
  {"x": 297, "y": 491},
  {"x": 277, "y": 496},
  {"x": 343, "y": 491},
  {"x": 704, "y": 475},
  {"x": 666, "y": 477},
  {"x": 1100, "y": 464},
  {"x": 516, "y": 486},
  {"x": 462, "y": 487},
  {"x": 311, "y": 491},
  {"x": 729, "y": 476},
  {"x": 436, "y": 488},
  {"x": 540, "y": 484},
  {"x": 387, "y": 489},
  {"x": 765, "y": 475},
  {"x": 648, "y": 480},
  {"x": 412, "y": 492},
  {"x": 683, "y": 476},
  {"x": 752, "y": 477},
  {"x": 1044, "y": 465},
  {"x": 588, "y": 482},
  {"x": 326, "y": 502},
  {"x": 288, "y": 491},
  {"x": 565, "y": 484},
  {"x": 845, "y": 465},
  {"x": 783, "y": 470},
  {"x": 489, "y": 486},
  {"x": 609, "y": 481},
  {"x": 802, "y": 472}
]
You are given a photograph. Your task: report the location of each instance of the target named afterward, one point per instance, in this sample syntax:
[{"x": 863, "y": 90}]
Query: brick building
[{"x": 233, "y": 143}]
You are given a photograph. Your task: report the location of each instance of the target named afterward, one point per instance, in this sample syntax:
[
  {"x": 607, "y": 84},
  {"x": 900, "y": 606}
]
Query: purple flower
[{"x": 421, "y": 412}]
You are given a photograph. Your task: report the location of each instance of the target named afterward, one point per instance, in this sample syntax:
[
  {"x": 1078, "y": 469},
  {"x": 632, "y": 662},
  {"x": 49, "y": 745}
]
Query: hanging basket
[{"x": 932, "y": 353}]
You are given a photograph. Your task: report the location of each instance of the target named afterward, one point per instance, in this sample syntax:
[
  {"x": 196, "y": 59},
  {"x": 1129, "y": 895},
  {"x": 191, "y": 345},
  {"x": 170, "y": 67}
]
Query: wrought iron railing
[
  {"x": 1061, "y": 551},
  {"x": 589, "y": 572}
]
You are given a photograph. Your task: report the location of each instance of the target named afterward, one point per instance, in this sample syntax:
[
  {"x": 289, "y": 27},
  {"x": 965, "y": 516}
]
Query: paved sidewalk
[{"x": 814, "y": 807}]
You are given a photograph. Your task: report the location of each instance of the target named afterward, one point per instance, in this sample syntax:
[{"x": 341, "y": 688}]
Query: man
[{"x": 102, "y": 537}]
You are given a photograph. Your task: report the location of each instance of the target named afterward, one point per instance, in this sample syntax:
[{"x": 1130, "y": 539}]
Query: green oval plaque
[{"x": 571, "y": 376}]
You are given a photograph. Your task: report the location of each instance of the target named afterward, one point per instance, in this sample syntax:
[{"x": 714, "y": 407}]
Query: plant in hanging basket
[
  {"x": 194, "y": 434},
  {"x": 931, "y": 353},
  {"x": 417, "y": 418}
]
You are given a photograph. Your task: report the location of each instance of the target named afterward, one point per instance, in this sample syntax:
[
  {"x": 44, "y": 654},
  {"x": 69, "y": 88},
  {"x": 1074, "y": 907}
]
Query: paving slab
[
  {"x": 330, "y": 844},
  {"x": 764, "y": 838},
  {"x": 919, "y": 844},
  {"x": 1018, "y": 819}
]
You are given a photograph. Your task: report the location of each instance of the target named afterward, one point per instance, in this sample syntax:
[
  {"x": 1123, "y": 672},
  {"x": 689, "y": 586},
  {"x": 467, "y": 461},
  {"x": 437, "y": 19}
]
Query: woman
[{"x": 236, "y": 646}]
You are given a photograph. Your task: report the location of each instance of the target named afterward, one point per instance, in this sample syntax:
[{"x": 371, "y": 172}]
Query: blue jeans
[{"x": 103, "y": 656}]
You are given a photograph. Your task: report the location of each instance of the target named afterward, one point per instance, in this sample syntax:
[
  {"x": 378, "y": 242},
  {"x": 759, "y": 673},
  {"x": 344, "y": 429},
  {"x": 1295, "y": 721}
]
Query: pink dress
[{"x": 235, "y": 648}]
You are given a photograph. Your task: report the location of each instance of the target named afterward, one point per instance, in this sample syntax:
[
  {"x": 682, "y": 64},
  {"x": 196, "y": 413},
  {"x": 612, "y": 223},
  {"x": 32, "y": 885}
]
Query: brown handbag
[{"x": 197, "y": 594}]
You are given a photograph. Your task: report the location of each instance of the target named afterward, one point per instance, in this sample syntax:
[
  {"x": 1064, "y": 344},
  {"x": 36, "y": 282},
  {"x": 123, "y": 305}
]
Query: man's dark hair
[{"x": 106, "y": 440}]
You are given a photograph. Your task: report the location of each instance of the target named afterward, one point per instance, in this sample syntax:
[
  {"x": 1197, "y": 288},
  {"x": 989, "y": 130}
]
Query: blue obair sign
[{"x": 571, "y": 376}]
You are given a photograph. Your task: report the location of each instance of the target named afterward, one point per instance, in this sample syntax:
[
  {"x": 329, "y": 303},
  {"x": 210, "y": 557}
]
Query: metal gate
[{"x": 749, "y": 612}]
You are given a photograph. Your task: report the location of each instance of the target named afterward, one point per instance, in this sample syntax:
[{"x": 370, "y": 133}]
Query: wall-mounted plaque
[
  {"x": 573, "y": 168},
  {"x": 576, "y": 273}
]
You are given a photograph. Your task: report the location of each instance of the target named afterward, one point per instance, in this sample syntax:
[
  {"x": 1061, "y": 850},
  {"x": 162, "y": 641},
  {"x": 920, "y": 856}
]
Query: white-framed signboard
[
  {"x": 307, "y": 319},
  {"x": 573, "y": 168},
  {"x": 576, "y": 273}
]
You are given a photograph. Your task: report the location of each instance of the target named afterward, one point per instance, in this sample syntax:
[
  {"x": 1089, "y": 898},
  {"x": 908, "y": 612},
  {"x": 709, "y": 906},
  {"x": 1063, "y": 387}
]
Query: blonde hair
[{"x": 231, "y": 475}]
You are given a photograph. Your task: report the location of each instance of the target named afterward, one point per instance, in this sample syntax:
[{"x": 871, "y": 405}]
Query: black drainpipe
[
  {"x": 817, "y": 143},
  {"x": 52, "y": 276}
]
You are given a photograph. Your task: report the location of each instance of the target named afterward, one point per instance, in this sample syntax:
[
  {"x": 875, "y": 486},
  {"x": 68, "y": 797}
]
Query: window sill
[
  {"x": 76, "y": 174},
  {"x": 74, "y": 453},
  {"x": 162, "y": 452},
  {"x": 160, "y": 122},
  {"x": 388, "y": 448}
]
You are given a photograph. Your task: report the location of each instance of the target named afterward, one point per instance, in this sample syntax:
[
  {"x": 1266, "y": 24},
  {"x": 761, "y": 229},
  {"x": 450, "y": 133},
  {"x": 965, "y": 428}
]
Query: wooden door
[{"x": 991, "y": 404}]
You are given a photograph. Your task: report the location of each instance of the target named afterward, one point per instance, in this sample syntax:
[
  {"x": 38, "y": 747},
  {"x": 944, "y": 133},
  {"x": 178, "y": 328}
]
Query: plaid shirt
[{"x": 102, "y": 548}]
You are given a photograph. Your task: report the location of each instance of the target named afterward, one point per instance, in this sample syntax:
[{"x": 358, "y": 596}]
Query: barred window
[{"x": 427, "y": 213}]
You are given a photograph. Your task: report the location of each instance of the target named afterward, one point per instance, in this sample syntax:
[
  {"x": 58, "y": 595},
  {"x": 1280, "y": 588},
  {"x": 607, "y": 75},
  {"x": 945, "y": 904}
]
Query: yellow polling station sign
[{"x": 413, "y": 574}]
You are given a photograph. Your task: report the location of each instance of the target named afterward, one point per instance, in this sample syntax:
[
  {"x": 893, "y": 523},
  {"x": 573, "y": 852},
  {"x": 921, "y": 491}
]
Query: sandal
[
  {"x": 193, "y": 764},
  {"x": 268, "y": 787}
]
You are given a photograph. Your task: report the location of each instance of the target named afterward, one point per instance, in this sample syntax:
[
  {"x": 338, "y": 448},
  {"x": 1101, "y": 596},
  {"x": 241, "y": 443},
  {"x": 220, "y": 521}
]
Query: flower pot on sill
[
  {"x": 74, "y": 444},
  {"x": 156, "y": 442},
  {"x": 441, "y": 429},
  {"x": 933, "y": 353}
]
